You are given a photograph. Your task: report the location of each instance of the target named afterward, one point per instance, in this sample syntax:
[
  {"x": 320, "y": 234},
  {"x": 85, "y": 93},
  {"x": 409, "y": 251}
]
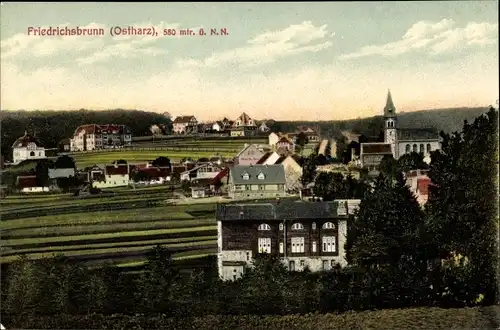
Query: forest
[{"x": 399, "y": 255}]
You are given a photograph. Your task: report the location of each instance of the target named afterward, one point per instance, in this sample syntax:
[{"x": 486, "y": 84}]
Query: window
[
  {"x": 248, "y": 187},
  {"x": 262, "y": 187},
  {"x": 297, "y": 226},
  {"x": 333, "y": 263},
  {"x": 415, "y": 148},
  {"x": 281, "y": 226},
  {"x": 407, "y": 149},
  {"x": 297, "y": 244},
  {"x": 428, "y": 147},
  {"x": 314, "y": 246},
  {"x": 314, "y": 226},
  {"x": 282, "y": 247},
  {"x": 302, "y": 263},
  {"x": 292, "y": 266},
  {"x": 281, "y": 186},
  {"x": 422, "y": 148},
  {"x": 248, "y": 256},
  {"x": 264, "y": 226},
  {"x": 326, "y": 265},
  {"x": 328, "y": 225},
  {"x": 265, "y": 245},
  {"x": 246, "y": 176},
  {"x": 32, "y": 154},
  {"x": 328, "y": 244},
  {"x": 261, "y": 176}
]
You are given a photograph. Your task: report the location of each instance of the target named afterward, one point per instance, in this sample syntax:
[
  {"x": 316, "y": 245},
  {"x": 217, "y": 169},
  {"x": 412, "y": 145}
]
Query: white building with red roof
[
  {"x": 95, "y": 137},
  {"x": 26, "y": 148}
]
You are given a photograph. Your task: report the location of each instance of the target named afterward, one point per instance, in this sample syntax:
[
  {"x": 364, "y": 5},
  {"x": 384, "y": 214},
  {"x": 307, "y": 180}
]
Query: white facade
[
  {"x": 216, "y": 127},
  {"x": 35, "y": 189},
  {"x": 273, "y": 139},
  {"x": 95, "y": 137},
  {"x": 31, "y": 151},
  {"x": 116, "y": 180},
  {"x": 422, "y": 146}
]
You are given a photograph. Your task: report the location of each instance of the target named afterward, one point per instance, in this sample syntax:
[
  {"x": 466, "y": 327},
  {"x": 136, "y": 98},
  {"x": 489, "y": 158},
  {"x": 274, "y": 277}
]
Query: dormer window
[
  {"x": 261, "y": 176},
  {"x": 328, "y": 225},
  {"x": 297, "y": 226},
  {"x": 314, "y": 226},
  {"x": 264, "y": 226},
  {"x": 246, "y": 176},
  {"x": 281, "y": 226}
]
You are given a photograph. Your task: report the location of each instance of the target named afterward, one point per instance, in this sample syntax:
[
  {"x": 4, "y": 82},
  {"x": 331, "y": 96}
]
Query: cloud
[
  {"x": 96, "y": 47},
  {"x": 269, "y": 46},
  {"x": 433, "y": 37},
  {"x": 129, "y": 45},
  {"x": 40, "y": 46}
]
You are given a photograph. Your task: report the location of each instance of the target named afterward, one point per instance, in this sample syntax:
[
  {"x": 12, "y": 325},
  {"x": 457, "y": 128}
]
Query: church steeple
[{"x": 390, "y": 109}]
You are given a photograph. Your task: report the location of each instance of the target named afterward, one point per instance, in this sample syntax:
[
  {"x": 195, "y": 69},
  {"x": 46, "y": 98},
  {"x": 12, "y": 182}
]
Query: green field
[{"x": 44, "y": 225}]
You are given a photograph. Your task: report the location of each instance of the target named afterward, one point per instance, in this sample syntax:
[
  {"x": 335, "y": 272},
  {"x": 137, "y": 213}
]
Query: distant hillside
[
  {"x": 50, "y": 127},
  {"x": 447, "y": 120}
]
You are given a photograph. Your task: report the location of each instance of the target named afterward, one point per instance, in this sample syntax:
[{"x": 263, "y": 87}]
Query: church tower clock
[{"x": 390, "y": 130}]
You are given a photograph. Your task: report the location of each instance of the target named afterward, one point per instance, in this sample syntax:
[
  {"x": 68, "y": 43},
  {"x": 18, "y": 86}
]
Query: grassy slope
[
  {"x": 116, "y": 234},
  {"x": 402, "y": 319}
]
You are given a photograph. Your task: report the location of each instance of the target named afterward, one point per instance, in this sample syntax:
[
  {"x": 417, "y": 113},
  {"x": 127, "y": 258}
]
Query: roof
[
  {"x": 284, "y": 139},
  {"x": 221, "y": 174},
  {"x": 183, "y": 119},
  {"x": 202, "y": 182},
  {"x": 156, "y": 172},
  {"x": 24, "y": 140},
  {"x": 281, "y": 159},
  {"x": 264, "y": 158},
  {"x": 389, "y": 109},
  {"x": 273, "y": 174},
  {"x": 376, "y": 148},
  {"x": 245, "y": 120},
  {"x": 116, "y": 169},
  {"x": 351, "y": 136},
  {"x": 245, "y": 148},
  {"x": 284, "y": 210},
  {"x": 26, "y": 181},
  {"x": 414, "y": 134},
  {"x": 102, "y": 129}
]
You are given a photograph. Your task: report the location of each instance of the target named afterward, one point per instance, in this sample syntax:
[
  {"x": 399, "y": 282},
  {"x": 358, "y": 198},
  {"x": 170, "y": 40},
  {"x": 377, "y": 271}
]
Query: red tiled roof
[
  {"x": 24, "y": 140},
  {"x": 156, "y": 172},
  {"x": 221, "y": 174},
  {"x": 244, "y": 120},
  {"x": 116, "y": 170},
  {"x": 280, "y": 160},
  {"x": 26, "y": 181},
  {"x": 102, "y": 129},
  {"x": 183, "y": 119}
]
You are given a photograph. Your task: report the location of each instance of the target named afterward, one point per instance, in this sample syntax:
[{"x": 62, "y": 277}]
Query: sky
[{"x": 285, "y": 61}]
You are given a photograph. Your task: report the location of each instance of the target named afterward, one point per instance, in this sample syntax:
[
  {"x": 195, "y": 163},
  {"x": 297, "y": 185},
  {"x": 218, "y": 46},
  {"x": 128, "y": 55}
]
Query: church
[{"x": 399, "y": 141}]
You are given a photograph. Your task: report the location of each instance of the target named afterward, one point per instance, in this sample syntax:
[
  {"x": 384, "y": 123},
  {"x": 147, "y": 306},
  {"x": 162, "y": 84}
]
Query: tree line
[
  {"x": 399, "y": 255},
  {"x": 50, "y": 127}
]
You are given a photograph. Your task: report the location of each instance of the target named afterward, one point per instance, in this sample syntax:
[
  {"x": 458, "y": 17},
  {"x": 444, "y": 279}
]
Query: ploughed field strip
[{"x": 120, "y": 227}]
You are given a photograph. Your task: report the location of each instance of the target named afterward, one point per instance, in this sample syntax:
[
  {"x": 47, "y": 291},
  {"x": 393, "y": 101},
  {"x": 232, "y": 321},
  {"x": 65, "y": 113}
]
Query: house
[
  {"x": 311, "y": 134},
  {"x": 95, "y": 137},
  {"x": 26, "y": 148},
  {"x": 218, "y": 126},
  {"x": 243, "y": 126},
  {"x": 284, "y": 146},
  {"x": 64, "y": 145},
  {"x": 419, "y": 182},
  {"x": 350, "y": 136},
  {"x": 273, "y": 139},
  {"x": 28, "y": 184},
  {"x": 371, "y": 154},
  {"x": 116, "y": 175},
  {"x": 250, "y": 154},
  {"x": 407, "y": 140},
  {"x": 303, "y": 234},
  {"x": 204, "y": 171},
  {"x": 185, "y": 125},
  {"x": 199, "y": 192},
  {"x": 257, "y": 181},
  {"x": 154, "y": 175},
  {"x": 57, "y": 173},
  {"x": 263, "y": 127}
]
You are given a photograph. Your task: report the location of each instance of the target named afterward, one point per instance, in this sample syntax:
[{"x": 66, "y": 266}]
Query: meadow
[
  {"x": 119, "y": 227},
  {"x": 175, "y": 149}
]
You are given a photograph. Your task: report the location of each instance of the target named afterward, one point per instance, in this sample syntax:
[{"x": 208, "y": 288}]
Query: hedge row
[{"x": 403, "y": 319}]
